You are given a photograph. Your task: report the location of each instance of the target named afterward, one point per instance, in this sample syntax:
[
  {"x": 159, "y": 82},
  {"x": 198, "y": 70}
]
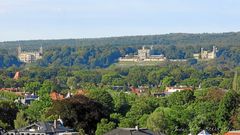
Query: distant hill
[
  {"x": 219, "y": 39},
  {"x": 103, "y": 52}
]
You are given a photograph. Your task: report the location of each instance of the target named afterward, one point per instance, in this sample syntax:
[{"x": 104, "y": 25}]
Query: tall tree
[
  {"x": 227, "y": 106},
  {"x": 235, "y": 81},
  {"x": 20, "y": 120}
]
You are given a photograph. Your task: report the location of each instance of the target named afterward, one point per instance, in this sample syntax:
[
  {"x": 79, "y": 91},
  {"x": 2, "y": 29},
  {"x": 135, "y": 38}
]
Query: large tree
[
  {"x": 79, "y": 112},
  {"x": 8, "y": 112}
]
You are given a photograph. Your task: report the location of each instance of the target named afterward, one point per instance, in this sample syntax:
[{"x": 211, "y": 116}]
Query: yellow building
[
  {"x": 205, "y": 55},
  {"x": 29, "y": 57}
]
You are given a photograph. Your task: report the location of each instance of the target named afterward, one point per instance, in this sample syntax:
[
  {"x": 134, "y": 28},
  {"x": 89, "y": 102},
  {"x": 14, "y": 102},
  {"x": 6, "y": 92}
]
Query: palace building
[
  {"x": 29, "y": 57},
  {"x": 205, "y": 55},
  {"x": 144, "y": 54}
]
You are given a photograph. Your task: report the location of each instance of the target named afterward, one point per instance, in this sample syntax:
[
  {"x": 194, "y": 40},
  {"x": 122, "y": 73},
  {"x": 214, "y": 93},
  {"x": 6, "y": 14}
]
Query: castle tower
[
  {"x": 151, "y": 52},
  {"x": 41, "y": 50},
  {"x": 152, "y": 47},
  {"x": 201, "y": 53},
  {"x": 19, "y": 50},
  {"x": 214, "y": 51}
]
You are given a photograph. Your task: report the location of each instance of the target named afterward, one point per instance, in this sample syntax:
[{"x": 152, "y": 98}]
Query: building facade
[
  {"x": 205, "y": 55},
  {"x": 43, "y": 128},
  {"x": 29, "y": 57},
  {"x": 144, "y": 54}
]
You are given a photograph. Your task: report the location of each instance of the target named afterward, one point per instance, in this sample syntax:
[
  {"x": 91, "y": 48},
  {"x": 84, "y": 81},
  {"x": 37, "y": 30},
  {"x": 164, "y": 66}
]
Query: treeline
[
  {"x": 103, "y": 52},
  {"x": 209, "y": 75},
  {"x": 214, "y": 106},
  {"x": 8, "y": 60},
  {"x": 102, "y": 57},
  {"x": 220, "y": 39}
]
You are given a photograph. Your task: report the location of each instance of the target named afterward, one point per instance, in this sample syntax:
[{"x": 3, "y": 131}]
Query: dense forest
[
  {"x": 103, "y": 52},
  {"x": 213, "y": 104},
  {"x": 182, "y": 39},
  {"x": 107, "y": 99}
]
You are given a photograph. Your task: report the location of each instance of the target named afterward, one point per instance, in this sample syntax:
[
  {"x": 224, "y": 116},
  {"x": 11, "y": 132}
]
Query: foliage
[
  {"x": 8, "y": 95},
  {"x": 8, "y": 113},
  {"x": 104, "y": 126},
  {"x": 226, "y": 109},
  {"x": 20, "y": 120},
  {"x": 181, "y": 98},
  {"x": 103, "y": 97},
  {"x": 160, "y": 121},
  {"x": 32, "y": 87},
  {"x": 37, "y": 108},
  {"x": 79, "y": 112}
]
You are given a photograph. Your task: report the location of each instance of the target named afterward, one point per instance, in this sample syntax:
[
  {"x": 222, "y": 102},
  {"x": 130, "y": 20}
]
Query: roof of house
[
  {"x": 180, "y": 87},
  {"x": 44, "y": 127},
  {"x": 16, "y": 76},
  {"x": 237, "y": 132},
  {"x": 204, "y": 132},
  {"x": 10, "y": 89},
  {"x": 81, "y": 92},
  {"x": 131, "y": 131},
  {"x": 56, "y": 96}
]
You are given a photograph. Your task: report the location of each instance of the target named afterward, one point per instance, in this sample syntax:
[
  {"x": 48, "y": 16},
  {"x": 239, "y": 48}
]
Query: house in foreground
[{"x": 43, "y": 128}]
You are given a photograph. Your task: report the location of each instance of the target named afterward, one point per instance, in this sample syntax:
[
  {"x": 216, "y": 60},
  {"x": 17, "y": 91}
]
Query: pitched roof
[
  {"x": 56, "y": 96},
  {"x": 204, "y": 132},
  {"x": 131, "y": 131},
  {"x": 16, "y": 76},
  {"x": 233, "y": 132},
  {"x": 44, "y": 127}
]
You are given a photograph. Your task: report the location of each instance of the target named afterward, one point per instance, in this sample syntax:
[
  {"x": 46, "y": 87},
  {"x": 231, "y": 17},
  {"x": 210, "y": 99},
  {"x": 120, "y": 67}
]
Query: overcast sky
[{"x": 55, "y": 19}]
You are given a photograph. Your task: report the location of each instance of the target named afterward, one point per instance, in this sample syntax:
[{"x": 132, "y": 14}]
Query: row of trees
[
  {"x": 180, "y": 113},
  {"x": 104, "y": 109},
  {"x": 201, "y": 75},
  {"x": 105, "y": 56}
]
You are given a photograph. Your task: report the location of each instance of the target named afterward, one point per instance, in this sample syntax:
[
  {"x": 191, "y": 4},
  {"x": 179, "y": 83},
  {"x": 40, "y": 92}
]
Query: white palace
[
  {"x": 144, "y": 54},
  {"x": 29, "y": 57}
]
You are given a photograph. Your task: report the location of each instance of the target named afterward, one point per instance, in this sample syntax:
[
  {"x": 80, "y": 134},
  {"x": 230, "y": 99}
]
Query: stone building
[
  {"x": 29, "y": 57},
  {"x": 144, "y": 54},
  {"x": 205, "y": 55}
]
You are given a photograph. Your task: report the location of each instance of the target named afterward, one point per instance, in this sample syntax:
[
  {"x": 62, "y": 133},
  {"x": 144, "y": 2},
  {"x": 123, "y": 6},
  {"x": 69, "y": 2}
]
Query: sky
[{"x": 57, "y": 19}]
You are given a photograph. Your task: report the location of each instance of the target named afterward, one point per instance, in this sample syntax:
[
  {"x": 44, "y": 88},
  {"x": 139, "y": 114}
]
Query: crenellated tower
[{"x": 19, "y": 50}]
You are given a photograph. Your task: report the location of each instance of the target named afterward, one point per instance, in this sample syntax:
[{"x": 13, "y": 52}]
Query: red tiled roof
[
  {"x": 179, "y": 88},
  {"x": 232, "y": 133},
  {"x": 16, "y": 76},
  {"x": 81, "y": 92},
  {"x": 56, "y": 96},
  {"x": 10, "y": 89}
]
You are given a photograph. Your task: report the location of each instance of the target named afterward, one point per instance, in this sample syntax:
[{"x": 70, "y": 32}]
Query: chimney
[
  {"x": 55, "y": 124},
  {"x": 136, "y": 128}
]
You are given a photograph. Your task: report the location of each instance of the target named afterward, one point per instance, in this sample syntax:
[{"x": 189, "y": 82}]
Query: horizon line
[{"x": 102, "y": 37}]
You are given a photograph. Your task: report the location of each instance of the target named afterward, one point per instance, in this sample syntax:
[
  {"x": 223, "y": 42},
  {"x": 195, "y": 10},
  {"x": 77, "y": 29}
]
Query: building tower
[
  {"x": 214, "y": 51},
  {"x": 201, "y": 53},
  {"x": 19, "y": 50},
  {"x": 41, "y": 50},
  {"x": 151, "y": 51}
]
